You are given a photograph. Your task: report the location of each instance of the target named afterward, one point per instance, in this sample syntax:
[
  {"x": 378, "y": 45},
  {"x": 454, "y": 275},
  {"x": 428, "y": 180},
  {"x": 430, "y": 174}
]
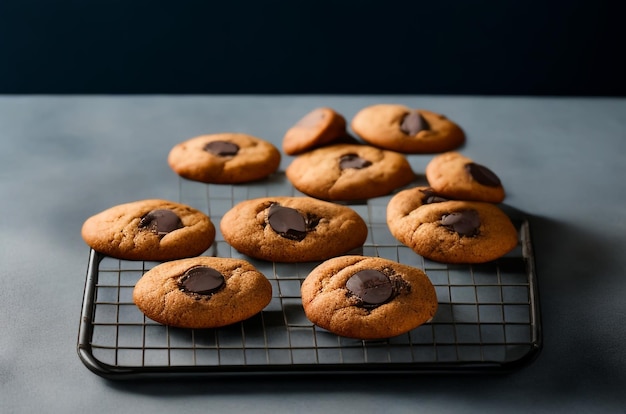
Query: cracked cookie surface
[
  {"x": 403, "y": 129},
  {"x": 292, "y": 229},
  {"x": 153, "y": 230},
  {"x": 344, "y": 172},
  {"x": 225, "y": 158},
  {"x": 368, "y": 297},
  {"x": 458, "y": 177},
  {"x": 450, "y": 231},
  {"x": 202, "y": 292}
]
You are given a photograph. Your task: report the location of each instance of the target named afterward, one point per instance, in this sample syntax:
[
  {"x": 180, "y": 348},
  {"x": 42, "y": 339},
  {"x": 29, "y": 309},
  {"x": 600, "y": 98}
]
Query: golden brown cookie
[
  {"x": 400, "y": 128},
  {"x": 450, "y": 231},
  {"x": 349, "y": 172},
  {"x": 292, "y": 229},
  {"x": 318, "y": 127},
  {"x": 153, "y": 230},
  {"x": 455, "y": 176},
  {"x": 226, "y": 158},
  {"x": 202, "y": 292},
  {"x": 367, "y": 297}
]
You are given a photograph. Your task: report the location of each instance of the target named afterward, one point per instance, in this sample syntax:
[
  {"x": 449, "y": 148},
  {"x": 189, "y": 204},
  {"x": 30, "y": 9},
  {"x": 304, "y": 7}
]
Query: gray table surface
[{"x": 563, "y": 162}]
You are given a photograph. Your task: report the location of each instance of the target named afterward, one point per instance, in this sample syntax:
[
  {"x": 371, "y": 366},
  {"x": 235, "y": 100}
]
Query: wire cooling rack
[{"x": 488, "y": 318}]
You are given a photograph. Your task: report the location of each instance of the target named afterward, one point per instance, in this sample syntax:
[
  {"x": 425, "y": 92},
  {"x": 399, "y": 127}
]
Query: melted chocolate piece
[
  {"x": 287, "y": 222},
  {"x": 466, "y": 222},
  {"x": 202, "y": 280},
  {"x": 412, "y": 123},
  {"x": 161, "y": 222},
  {"x": 482, "y": 174},
  {"x": 431, "y": 197},
  {"x": 370, "y": 286},
  {"x": 222, "y": 148},
  {"x": 353, "y": 161}
]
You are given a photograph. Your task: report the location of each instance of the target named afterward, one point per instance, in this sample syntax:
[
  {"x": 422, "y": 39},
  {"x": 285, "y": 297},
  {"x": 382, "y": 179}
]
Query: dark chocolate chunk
[
  {"x": 412, "y": 123},
  {"x": 465, "y": 222},
  {"x": 222, "y": 148},
  {"x": 370, "y": 286},
  {"x": 161, "y": 222},
  {"x": 482, "y": 174},
  {"x": 431, "y": 197},
  {"x": 287, "y": 222},
  {"x": 353, "y": 161},
  {"x": 202, "y": 280}
]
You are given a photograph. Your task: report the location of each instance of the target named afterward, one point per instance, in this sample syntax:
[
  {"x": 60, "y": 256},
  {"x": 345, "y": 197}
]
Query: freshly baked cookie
[
  {"x": 457, "y": 177},
  {"x": 450, "y": 231},
  {"x": 202, "y": 292},
  {"x": 318, "y": 127},
  {"x": 152, "y": 230},
  {"x": 292, "y": 229},
  {"x": 400, "y": 128},
  {"x": 349, "y": 172},
  {"x": 367, "y": 297},
  {"x": 226, "y": 158}
]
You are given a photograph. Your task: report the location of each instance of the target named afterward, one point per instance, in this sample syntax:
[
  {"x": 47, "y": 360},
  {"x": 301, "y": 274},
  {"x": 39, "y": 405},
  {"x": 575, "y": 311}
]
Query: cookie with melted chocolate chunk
[
  {"x": 149, "y": 230},
  {"x": 202, "y": 292},
  {"x": 450, "y": 231},
  {"x": 403, "y": 129},
  {"x": 367, "y": 297},
  {"x": 458, "y": 177},
  {"x": 292, "y": 229},
  {"x": 344, "y": 172},
  {"x": 225, "y": 158}
]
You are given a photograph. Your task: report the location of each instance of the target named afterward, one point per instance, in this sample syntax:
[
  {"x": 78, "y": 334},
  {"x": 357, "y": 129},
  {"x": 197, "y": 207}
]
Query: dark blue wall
[{"x": 420, "y": 47}]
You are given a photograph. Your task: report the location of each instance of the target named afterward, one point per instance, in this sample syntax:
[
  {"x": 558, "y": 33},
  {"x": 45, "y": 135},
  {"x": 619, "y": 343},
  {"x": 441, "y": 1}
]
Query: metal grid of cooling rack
[{"x": 487, "y": 320}]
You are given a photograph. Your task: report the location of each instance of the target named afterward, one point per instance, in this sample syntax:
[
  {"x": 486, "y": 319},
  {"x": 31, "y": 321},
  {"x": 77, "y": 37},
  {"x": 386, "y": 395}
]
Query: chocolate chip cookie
[
  {"x": 226, "y": 158},
  {"x": 317, "y": 128},
  {"x": 403, "y": 129},
  {"x": 450, "y": 231},
  {"x": 153, "y": 230},
  {"x": 292, "y": 229},
  {"x": 202, "y": 292},
  {"x": 457, "y": 177},
  {"x": 367, "y": 297},
  {"x": 344, "y": 172}
]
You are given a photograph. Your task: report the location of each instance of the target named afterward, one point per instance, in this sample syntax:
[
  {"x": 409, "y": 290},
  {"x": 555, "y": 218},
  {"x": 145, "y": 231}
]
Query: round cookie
[
  {"x": 368, "y": 297},
  {"x": 292, "y": 229},
  {"x": 349, "y": 172},
  {"x": 202, "y": 292},
  {"x": 226, "y": 158},
  {"x": 455, "y": 176},
  {"x": 318, "y": 127},
  {"x": 400, "y": 128},
  {"x": 152, "y": 230},
  {"x": 450, "y": 231}
]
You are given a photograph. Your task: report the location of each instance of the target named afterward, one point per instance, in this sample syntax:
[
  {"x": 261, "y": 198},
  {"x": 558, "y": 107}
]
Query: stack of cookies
[{"x": 455, "y": 219}]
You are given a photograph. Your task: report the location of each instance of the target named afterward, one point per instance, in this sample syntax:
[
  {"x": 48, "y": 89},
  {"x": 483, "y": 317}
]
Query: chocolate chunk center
[
  {"x": 222, "y": 148},
  {"x": 466, "y": 222},
  {"x": 482, "y": 174},
  {"x": 371, "y": 286},
  {"x": 431, "y": 197},
  {"x": 161, "y": 222},
  {"x": 202, "y": 280},
  {"x": 353, "y": 161},
  {"x": 287, "y": 222},
  {"x": 412, "y": 123}
]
